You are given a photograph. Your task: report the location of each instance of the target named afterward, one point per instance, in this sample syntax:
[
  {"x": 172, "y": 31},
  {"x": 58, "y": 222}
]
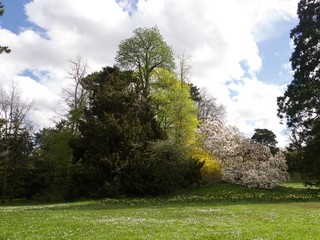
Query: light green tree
[
  {"x": 175, "y": 110},
  {"x": 145, "y": 51}
]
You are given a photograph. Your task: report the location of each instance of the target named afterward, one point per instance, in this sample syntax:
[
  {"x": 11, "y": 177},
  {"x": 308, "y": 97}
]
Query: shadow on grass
[{"x": 219, "y": 194}]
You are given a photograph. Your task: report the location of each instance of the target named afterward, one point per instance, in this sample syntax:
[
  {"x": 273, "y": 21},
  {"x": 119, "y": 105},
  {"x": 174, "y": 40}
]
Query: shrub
[
  {"x": 171, "y": 167},
  {"x": 211, "y": 169}
]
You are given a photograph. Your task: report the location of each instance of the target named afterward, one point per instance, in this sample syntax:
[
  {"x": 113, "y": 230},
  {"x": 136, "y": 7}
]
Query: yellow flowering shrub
[{"x": 211, "y": 169}]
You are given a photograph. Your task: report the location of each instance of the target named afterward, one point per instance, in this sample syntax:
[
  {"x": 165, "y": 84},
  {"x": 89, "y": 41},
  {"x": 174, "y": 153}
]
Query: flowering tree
[{"x": 243, "y": 161}]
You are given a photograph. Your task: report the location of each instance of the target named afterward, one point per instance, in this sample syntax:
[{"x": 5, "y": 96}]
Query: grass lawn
[{"x": 221, "y": 212}]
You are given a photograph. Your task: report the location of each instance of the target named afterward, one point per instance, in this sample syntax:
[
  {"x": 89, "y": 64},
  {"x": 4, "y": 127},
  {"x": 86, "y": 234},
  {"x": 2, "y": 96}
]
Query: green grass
[{"x": 221, "y": 212}]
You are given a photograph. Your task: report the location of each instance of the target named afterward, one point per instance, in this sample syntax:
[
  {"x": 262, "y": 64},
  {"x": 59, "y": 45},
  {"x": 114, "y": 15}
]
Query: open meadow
[{"x": 221, "y": 212}]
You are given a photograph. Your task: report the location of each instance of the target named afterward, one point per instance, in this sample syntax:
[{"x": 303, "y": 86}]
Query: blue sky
[
  {"x": 14, "y": 17},
  {"x": 240, "y": 49}
]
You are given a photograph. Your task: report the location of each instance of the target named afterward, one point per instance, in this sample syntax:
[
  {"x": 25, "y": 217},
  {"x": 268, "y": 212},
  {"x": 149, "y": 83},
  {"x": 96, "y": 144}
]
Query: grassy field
[{"x": 220, "y": 212}]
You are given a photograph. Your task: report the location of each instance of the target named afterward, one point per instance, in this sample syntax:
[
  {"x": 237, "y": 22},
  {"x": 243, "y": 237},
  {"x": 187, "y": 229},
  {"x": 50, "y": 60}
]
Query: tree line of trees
[
  {"x": 138, "y": 128},
  {"x": 129, "y": 129}
]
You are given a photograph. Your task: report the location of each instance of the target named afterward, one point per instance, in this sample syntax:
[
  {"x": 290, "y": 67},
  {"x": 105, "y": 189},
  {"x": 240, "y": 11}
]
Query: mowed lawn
[{"x": 221, "y": 212}]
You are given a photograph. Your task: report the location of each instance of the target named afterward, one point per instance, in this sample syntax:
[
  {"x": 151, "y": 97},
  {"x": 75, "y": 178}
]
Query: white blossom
[{"x": 243, "y": 161}]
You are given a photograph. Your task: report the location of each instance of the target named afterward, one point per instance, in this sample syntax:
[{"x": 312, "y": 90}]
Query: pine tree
[{"x": 300, "y": 105}]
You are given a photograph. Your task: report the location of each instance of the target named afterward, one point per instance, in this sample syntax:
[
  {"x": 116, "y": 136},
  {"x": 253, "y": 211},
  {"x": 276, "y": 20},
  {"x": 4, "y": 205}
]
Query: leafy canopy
[
  {"x": 174, "y": 108},
  {"x": 143, "y": 52}
]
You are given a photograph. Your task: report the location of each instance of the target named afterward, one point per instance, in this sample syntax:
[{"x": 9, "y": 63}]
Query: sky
[{"x": 239, "y": 49}]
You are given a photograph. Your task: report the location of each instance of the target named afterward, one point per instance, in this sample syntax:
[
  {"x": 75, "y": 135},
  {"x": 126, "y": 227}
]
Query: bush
[
  {"x": 211, "y": 169},
  {"x": 171, "y": 167}
]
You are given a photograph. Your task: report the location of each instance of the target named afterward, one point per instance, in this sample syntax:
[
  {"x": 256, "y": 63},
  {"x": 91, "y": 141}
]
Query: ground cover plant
[{"x": 224, "y": 211}]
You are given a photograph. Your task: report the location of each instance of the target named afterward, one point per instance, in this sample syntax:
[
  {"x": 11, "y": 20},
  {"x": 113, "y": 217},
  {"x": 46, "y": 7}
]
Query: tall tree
[
  {"x": 175, "y": 110},
  {"x": 142, "y": 53},
  {"x": 184, "y": 68},
  {"x": 14, "y": 141},
  {"x": 2, "y": 48},
  {"x": 114, "y": 132},
  {"x": 300, "y": 105}
]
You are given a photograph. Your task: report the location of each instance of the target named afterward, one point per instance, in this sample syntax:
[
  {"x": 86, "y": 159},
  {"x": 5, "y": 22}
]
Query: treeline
[
  {"x": 139, "y": 128},
  {"x": 129, "y": 129}
]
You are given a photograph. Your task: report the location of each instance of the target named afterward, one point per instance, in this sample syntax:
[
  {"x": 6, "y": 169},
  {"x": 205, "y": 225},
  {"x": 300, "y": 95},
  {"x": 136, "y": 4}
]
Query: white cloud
[
  {"x": 221, "y": 36},
  {"x": 254, "y": 106}
]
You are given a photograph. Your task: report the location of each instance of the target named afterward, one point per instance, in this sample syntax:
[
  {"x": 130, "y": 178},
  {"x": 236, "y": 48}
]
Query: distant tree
[
  {"x": 2, "y": 48},
  {"x": 142, "y": 53},
  {"x": 15, "y": 142},
  {"x": 174, "y": 108},
  {"x": 266, "y": 137},
  {"x": 194, "y": 93},
  {"x": 300, "y": 104}
]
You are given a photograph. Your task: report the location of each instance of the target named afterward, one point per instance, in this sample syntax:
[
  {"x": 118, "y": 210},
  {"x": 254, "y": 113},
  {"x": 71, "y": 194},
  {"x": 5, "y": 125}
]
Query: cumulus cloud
[{"x": 221, "y": 36}]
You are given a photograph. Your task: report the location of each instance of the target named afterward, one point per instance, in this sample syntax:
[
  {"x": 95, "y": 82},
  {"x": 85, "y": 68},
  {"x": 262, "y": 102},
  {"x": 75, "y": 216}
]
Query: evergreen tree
[
  {"x": 267, "y": 138},
  {"x": 15, "y": 142},
  {"x": 300, "y": 105},
  {"x": 114, "y": 134}
]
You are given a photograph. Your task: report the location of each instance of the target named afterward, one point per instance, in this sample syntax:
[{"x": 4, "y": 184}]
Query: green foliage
[
  {"x": 194, "y": 92},
  {"x": 211, "y": 168},
  {"x": 15, "y": 143},
  {"x": 267, "y": 138},
  {"x": 15, "y": 150},
  {"x": 174, "y": 107},
  {"x": 171, "y": 167},
  {"x": 300, "y": 104},
  {"x": 52, "y": 168},
  {"x": 143, "y": 52},
  {"x": 294, "y": 161},
  {"x": 115, "y": 131}
]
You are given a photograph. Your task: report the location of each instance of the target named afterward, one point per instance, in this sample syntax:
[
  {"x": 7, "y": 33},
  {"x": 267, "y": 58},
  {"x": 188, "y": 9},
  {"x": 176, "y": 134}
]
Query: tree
[
  {"x": 266, "y": 137},
  {"x": 15, "y": 141},
  {"x": 243, "y": 162},
  {"x": 194, "y": 93},
  {"x": 75, "y": 95},
  {"x": 208, "y": 108},
  {"x": 184, "y": 68},
  {"x": 52, "y": 164},
  {"x": 300, "y": 104},
  {"x": 114, "y": 134},
  {"x": 2, "y": 48},
  {"x": 174, "y": 108},
  {"x": 143, "y": 52}
]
